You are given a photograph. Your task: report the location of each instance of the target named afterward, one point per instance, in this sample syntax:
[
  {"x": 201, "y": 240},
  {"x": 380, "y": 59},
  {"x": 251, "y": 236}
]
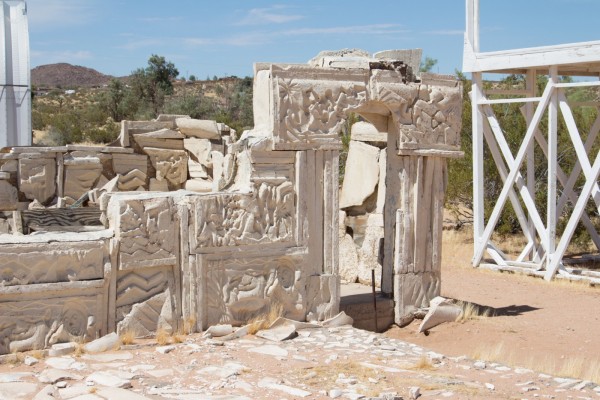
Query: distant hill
[{"x": 66, "y": 75}]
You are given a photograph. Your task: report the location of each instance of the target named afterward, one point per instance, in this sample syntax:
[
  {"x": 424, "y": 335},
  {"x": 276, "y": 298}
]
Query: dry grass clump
[
  {"x": 263, "y": 321},
  {"x": 189, "y": 325},
  {"x": 162, "y": 337},
  {"x": 79, "y": 343},
  {"x": 127, "y": 337},
  {"x": 472, "y": 311},
  {"x": 326, "y": 375},
  {"x": 178, "y": 337},
  {"x": 423, "y": 364}
]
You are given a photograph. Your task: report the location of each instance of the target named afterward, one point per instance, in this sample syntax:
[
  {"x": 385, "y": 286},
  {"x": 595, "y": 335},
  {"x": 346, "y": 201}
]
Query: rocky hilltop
[{"x": 67, "y": 75}]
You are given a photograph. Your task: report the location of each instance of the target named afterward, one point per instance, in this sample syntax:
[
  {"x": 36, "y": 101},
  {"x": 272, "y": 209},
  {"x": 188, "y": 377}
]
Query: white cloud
[
  {"x": 375, "y": 29},
  {"x": 53, "y": 13},
  {"x": 270, "y": 15}
]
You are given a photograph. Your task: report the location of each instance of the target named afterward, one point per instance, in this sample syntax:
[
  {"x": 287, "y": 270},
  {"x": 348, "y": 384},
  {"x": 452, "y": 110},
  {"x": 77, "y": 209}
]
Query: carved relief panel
[{"x": 147, "y": 230}]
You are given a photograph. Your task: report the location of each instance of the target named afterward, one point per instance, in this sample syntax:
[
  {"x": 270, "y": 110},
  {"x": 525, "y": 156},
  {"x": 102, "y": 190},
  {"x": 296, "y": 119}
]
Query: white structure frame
[
  {"x": 544, "y": 252},
  {"x": 15, "y": 85}
]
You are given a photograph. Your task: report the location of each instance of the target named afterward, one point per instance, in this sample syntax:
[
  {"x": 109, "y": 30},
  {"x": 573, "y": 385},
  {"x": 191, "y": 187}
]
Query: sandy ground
[{"x": 551, "y": 327}]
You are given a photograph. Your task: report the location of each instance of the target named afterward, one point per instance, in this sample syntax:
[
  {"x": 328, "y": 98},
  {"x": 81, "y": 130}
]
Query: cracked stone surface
[{"x": 320, "y": 363}]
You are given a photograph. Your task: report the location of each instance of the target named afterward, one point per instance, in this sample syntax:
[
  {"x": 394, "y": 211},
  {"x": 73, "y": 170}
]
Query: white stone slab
[
  {"x": 362, "y": 174},
  {"x": 270, "y": 350},
  {"x": 200, "y": 128}
]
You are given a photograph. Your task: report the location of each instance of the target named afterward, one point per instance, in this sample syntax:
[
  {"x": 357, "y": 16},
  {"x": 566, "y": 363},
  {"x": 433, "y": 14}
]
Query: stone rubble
[{"x": 319, "y": 363}]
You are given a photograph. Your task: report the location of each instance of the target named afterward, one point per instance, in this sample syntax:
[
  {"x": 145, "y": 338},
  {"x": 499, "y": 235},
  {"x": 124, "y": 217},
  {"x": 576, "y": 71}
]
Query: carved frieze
[
  {"x": 24, "y": 264},
  {"x": 230, "y": 220},
  {"x": 308, "y": 105},
  {"x": 170, "y": 165},
  {"x": 37, "y": 316},
  {"x": 146, "y": 230},
  {"x": 312, "y": 111},
  {"x": 241, "y": 289},
  {"x": 37, "y": 178},
  {"x": 145, "y": 300}
]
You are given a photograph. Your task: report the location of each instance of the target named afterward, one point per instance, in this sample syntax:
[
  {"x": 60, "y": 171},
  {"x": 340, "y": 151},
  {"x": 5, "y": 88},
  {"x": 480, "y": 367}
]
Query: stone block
[
  {"x": 199, "y": 185},
  {"x": 144, "y": 227},
  {"x": 199, "y": 150},
  {"x": 322, "y": 297},
  {"x": 199, "y": 128},
  {"x": 34, "y": 263},
  {"x": 39, "y": 315},
  {"x": 37, "y": 178},
  {"x": 159, "y": 186},
  {"x": 125, "y": 163},
  {"x": 9, "y": 197},
  {"x": 163, "y": 139},
  {"x": 362, "y": 174},
  {"x": 170, "y": 165},
  {"x": 146, "y": 300},
  {"x": 132, "y": 180},
  {"x": 366, "y": 132},
  {"x": 231, "y": 220},
  {"x": 80, "y": 175},
  {"x": 413, "y": 291},
  {"x": 348, "y": 267},
  {"x": 239, "y": 289}
]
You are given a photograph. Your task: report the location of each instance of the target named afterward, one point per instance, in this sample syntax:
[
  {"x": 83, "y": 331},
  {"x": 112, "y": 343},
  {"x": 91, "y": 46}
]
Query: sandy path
[{"x": 549, "y": 326}]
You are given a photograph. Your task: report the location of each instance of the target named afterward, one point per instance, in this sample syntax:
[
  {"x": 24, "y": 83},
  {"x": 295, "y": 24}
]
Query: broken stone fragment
[
  {"x": 200, "y": 128},
  {"x": 362, "y": 174},
  {"x": 37, "y": 177},
  {"x": 440, "y": 310},
  {"x": 170, "y": 165},
  {"x": 108, "y": 342},
  {"x": 9, "y": 197}
]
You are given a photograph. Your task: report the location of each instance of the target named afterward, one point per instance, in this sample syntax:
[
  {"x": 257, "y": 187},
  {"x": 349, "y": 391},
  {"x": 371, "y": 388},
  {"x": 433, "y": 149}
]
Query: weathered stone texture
[{"x": 146, "y": 230}]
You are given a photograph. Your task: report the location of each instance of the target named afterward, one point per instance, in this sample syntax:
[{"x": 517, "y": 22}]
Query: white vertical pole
[
  {"x": 531, "y": 88},
  {"x": 472, "y": 33},
  {"x": 552, "y": 163}
]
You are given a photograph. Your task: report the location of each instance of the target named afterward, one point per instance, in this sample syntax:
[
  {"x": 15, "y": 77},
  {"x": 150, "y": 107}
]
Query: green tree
[
  {"x": 427, "y": 64},
  {"x": 112, "y": 100},
  {"x": 154, "y": 82},
  {"x": 192, "y": 78}
]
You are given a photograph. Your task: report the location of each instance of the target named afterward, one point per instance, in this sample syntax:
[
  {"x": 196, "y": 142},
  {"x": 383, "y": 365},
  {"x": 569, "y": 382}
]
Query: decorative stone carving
[
  {"x": 231, "y": 220},
  {"x": 37, "y": 316},
  {"x": 241, "y": 289},
  {"x": 145, "y": 228},
  {"x": 37, "y": 178},
  {"x": 311, "y": 111},
  {"x": 81, "y": 173},
  {"x": 323, "y": 297},
  {"x": 25, "y": 264},
  {"x": 170, "y": 165},
  {"x": 145, "y": 301}
]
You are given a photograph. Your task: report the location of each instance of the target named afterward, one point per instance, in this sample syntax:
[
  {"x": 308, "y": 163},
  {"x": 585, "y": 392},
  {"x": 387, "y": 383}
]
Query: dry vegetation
[{"x": 265, "y": 320}]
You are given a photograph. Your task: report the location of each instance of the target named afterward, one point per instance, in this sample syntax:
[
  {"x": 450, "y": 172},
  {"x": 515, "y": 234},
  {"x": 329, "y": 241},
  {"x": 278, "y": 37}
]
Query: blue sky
[{"x": 226, "y": 37}]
